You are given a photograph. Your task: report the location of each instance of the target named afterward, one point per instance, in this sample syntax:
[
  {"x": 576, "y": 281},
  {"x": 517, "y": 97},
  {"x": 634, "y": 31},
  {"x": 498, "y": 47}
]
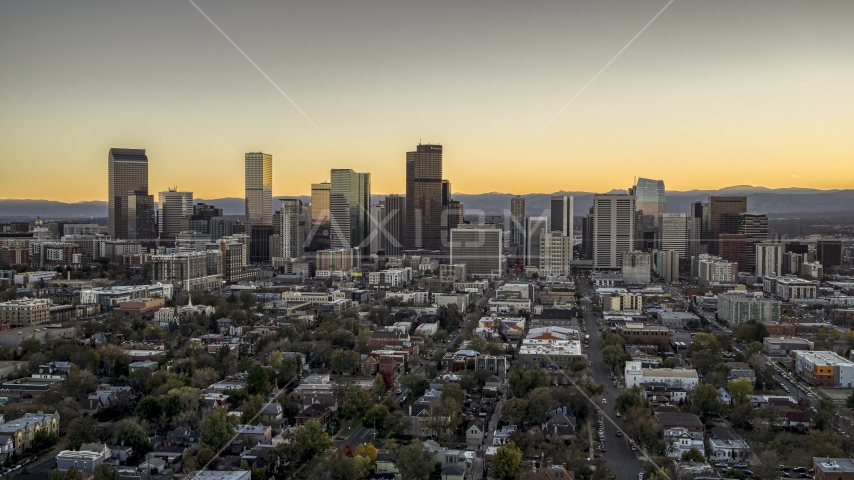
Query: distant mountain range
[{"x": 759, "y": 199}]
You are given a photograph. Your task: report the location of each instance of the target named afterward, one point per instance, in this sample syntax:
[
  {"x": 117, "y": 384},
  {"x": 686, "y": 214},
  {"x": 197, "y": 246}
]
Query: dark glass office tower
[
  {"x": 127, "y": 172},
  {"x": 350, "y": 202},
  {"x": 424, "y": 198}
]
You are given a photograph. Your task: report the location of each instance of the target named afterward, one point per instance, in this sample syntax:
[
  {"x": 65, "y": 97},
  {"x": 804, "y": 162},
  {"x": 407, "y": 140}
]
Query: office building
[
  {"x": 724, "y": 218},
  {"x": 349, "y": 201},
  {"x": 140, "y": 216},
  {"x": 587, "y": 223},
  {"x": 320, "y": 206},
  {"x": 517, "y": 221},
  {"x": 650, "y": 197},
  {"x": 127, "y": 172},
  {"x": 769, "y": 259},
  {"x": 454, "y": 217},
  {"x": 337, "y": 259},
  {"x": 555, "y": 254},
  {"x": 737, "y": 308},
  {"x": 259, "y": 188},
  {"x": 395, "y": 226},
  {"x": 200, "y": 219},
  {"x": 290, "y": 234},
  {"x": 535, "y": 228},
  {"x": 698, "y": 226},
  {"x": 613, "y": 229},
  {"x": 733, "y": 248},
  {"x": 812, "y": 270},
  {"x": 754, "y": 226},
  {"x": 636, "y": 267},
  {"x": 562, "y": 219},
  {"x": 189, "y": 271},
  {"x": 91, "y": 245},
  {"x": 673, "y": 233},
  {"x": 191, "y": 240},
  {"x": 829, "y": 253},
  {"x": 377, "y": 228},
  {"x": 173, "y": 209},
  {"x": 708, "y": 269},
  {"x": 221, "y": 227},
  {"x": 424, "y": 199},
  {"x": 670, "y": 266},
  {"x": 259, "y": 243},
  {"x": 824, "y": 369},
  {"x": 479, "y": 248}
]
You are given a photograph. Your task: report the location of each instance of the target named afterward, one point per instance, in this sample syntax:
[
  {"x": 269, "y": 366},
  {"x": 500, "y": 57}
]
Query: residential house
[
  {"x": 688, "y": 421},
  {"x": 552, "y": 472},
  {"x": 727, "y": 450},
  {"x": 84, "y": 461},
  {"x": 725, "y": 396},
  {"x": 453, "y": 472},
  {"x": 252, "y": 435},
  {"x": 23, "y": 430},
  {"x": 559, "y": 427},
  {"x": 273, "y": 415},
  {"x": 99, "y": 401},
  {"x": 663, "y": 394},
  {"x": 741, "y": 370},
  {"x": 475, "y": 432},
  {"x": 314, "y": 411},
  {"x": 679, "y": 440},
  {"x": 385, "y": 463}
]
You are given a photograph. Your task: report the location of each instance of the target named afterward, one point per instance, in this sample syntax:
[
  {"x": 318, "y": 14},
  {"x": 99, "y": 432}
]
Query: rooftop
[{"x": 836, "y": 465}]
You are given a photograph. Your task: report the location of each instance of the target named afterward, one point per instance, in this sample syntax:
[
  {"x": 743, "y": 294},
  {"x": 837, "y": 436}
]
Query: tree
[
  {"x": 204, "y": 377},
  {"x": 132, "y": 434},
  {"x": 693, "y": 455},
  {"x": 375, "y": 416},
  {"x": 707, "y": 400},
  {"x": 454, "y": 392},
  {"x": 343, "y": 467},
  {"x": 216, "y": 431},
  {"x": 514, "y": 410},
  {"x": 540, "y": 402},
  {"x": 81, "y": 430},
  {"x": 414, "y": 462},
  {"x": 258, "y": 383},
  {"x": 369, "y": 452},
  {"x": 355, "y": 403},
  {"x": 739, "y": 389},
  {"x": 507, "y": 462},
  {"x": 613, "y": 355},
  {"x": 628, "y": 399},
  {"x": 106, "y": 472},
  {"x": 251, "y": 408},
  {"x": 379, "y": 386},
  {"x": 417, "y": 384},
  {"x": 640, "y": 426},
  {"x": 522, "y": 382}
]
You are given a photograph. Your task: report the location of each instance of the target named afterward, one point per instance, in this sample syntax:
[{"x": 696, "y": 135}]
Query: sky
[{"x": 711, "y": 94}]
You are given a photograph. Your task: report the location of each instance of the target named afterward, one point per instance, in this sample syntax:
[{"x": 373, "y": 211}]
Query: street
[{"x": 618, "y": 454}]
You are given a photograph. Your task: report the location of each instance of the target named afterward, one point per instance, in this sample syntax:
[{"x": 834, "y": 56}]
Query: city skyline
[{"x": 759, "y": 100}]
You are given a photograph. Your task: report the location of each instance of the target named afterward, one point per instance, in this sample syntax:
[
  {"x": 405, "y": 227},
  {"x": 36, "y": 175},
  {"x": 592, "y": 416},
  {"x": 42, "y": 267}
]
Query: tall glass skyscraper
[
  {"x": 650, "y": 197},
  {"x": 259, "y": 188},
  {"x": 424, "y": 197},
  {"x": 562, "y": 220},
  {"x": 349, "y": 205},
  {"x": 320, "y": 203},
  {"x": 127, "y": 173},
  {"x": 172, "y": 209}
]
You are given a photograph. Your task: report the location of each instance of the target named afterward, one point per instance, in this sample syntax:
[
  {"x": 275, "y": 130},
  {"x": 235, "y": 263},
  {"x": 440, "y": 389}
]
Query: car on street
[
  {"x": 619, "y": 434},
  {"x": 619, "y": 414},
  {"x": 604, "y": 401},
  {"x": 747, "y": 472},
  {"x": 721, "y": 464},
  {"x": 740, "y": 465},
  {"x": 804, "y": 475},
  {"x": 799, "y": 469}
]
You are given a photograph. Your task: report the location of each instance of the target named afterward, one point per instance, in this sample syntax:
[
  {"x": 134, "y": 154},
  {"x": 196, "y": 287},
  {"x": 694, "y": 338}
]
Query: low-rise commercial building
[
  {"x": 790, "y": 288},
  {"x": 783, "y": 346},
  {"x": 833, "y": 468},
  {"x": 635, "y": 375},
  {"x": 823, "y": 369},
  {"x": 547, "y": 353},
  {"x": 643, "y": 334}
]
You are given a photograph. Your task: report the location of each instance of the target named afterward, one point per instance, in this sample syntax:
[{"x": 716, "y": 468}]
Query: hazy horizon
[{"x": 710, "y": 94}]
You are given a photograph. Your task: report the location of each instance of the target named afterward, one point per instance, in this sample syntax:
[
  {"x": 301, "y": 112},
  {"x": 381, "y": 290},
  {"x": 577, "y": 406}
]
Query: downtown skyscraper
[
  {"x": 173, "y": 210},
  {"x": 562, "y": 220},
  {"x": 349, "y": 205},
  {"x": 127, "y": 174},
  {"x": 259, "y": 188},
  {"x": 424, "y": 197}
]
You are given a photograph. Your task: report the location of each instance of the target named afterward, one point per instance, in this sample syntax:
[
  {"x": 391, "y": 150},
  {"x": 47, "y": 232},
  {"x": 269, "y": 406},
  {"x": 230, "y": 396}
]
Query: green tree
[
  {"x": 613, "y": 355},
  {"x": 216, "y": 431},
  {"x": 628, "y": 399},
  {"x": 693, "y": 455},
  {"x": 522, "y": 382},
  {"x": 130, "y": 433},
  {"x": 417, "y": 384},
  {"x": 355, "y": 403},
  {"x": 375, "y": 416},
  {"x": 414, "y": 462},
  {"x": 540, "y": 402},
  {"x": 507, "y": 462},
  {"x": 453, "y": 392},
  {"x": 106, "y": 472},
  {"x": 514, "y": 410},
  {"x": 379, "y": 386},
  {"x": 707, "y": 400},
  {"x": 258, "y": 383},
  {"x": 251, "y": 408},
  {"x": 81, "y": 430},
  {"x": 739, "y": 389}
]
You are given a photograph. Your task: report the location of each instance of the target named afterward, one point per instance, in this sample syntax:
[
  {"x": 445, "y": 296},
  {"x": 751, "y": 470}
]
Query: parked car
[
  {"x": 747, "y": 472},
  {"x": 740, "y": 465},
  {"x": 721, "y": 464}
]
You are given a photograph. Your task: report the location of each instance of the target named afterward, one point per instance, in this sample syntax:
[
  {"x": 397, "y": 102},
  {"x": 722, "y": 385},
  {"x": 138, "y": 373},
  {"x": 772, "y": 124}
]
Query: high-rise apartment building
[
  {"x": 479, "y": 247},
  {"x": 350, "y": 201},
  {"x": 127, "y": 173},
  {"x": 259, "y": 188},
  {"x": 555, "y": 254},
  {"x": 769, "y": 259},
  {"x": 517, "y": 221},
  {"x": 613, "y": 229},
  {"x": 320, "y": 203},
  {"x": 673, "y": 233},
  {"x": 173, "y": 209},
  {"x": 562, "y": 216},
  {"x": 395, "y": 224},
  {"x": 754, "y": 226},
  {"x": 724, "y": 218},
  {"x": 290, "y": 234},
  {"x": 141, "y": 224},
  {"x": 650, "y": 197},
  {"x": 733, "y": 248},
  {"x": 424, "y": 198},
  {"x": 535, "y": 228}
]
